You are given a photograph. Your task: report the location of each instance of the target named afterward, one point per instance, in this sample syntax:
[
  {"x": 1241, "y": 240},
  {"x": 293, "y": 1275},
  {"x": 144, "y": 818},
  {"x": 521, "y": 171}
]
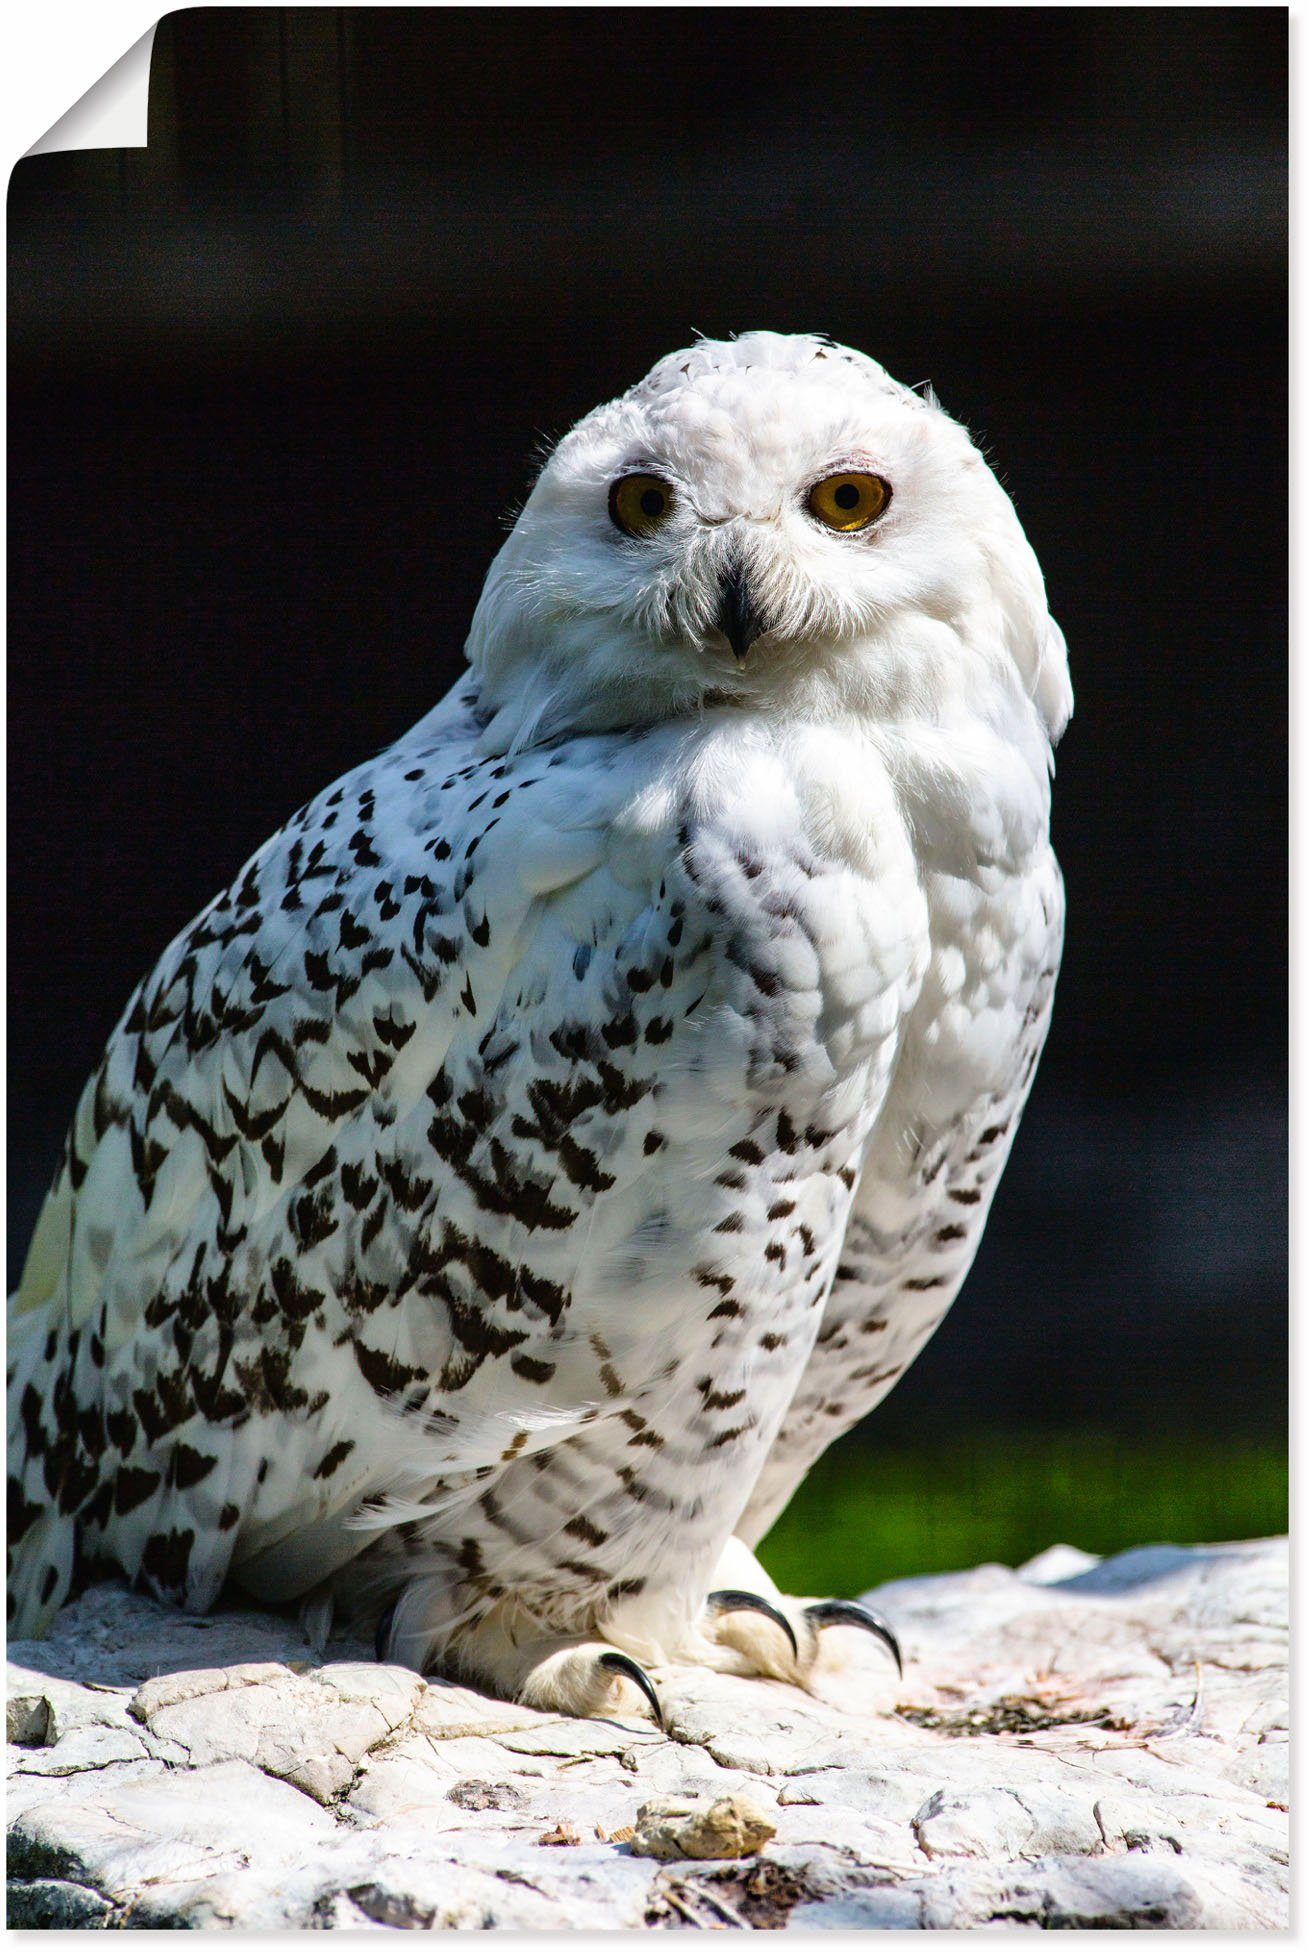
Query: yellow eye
[
  {"x": 848, "y": 501},
  {"x": 639, "y": 503}
]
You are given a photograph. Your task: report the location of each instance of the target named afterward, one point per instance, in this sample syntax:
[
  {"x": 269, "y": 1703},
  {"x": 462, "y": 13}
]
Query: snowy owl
[{"x": 576, "y": 1118}]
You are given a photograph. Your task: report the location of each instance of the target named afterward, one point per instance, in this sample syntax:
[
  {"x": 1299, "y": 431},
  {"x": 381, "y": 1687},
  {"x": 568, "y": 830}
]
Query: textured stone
[{"x": 1074, "y": 1744}]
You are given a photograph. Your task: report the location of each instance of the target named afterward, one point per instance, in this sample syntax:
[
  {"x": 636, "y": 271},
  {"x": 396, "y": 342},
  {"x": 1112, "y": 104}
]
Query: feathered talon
[
  {"x": 731, "y": 1601},
  {"x": 624, "y": 1664},
  {"x": 849, "y": 1613}
]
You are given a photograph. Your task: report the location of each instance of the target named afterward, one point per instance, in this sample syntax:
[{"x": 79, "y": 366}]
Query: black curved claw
[
  {"x": 382, "y": 1634},
  {"x": 849, "y": 1613},
  {"x": 624, "y": 1664},
  {"x": 730, "y": 1601}
]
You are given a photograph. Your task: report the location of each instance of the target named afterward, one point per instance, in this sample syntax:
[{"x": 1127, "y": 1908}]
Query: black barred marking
[
  {"x": 530, "y": 1368},
  {"x": 372, "y": 1066},
  {"x": 429, "y": 980},
  {"x": 358, "y": 1186},
  {"x": 295, "y": 1298},
  {"x": 611, "y": 1382},
  {"x": 320, "y": 1171},
  {"x": 163, "y": 1409},
  {"x": 582, "y": 1528},
  {"x": 408, "y": 1190},
  {"x": 332, "y": 1460},
  {"x": 478, "y": 1332},
  {"x": 548, "y": 1296},
  {"x": 872, "y": 1374},
  {"x": 502, "y": 1190},
  {"x": 707, "y": 1278},
  {"x": 312, "y": 1220},
  {"x": 382, "y": 1372},
  {"x": 583, "y": 1569},
  {"x": 715, "y": 1399},
  {"x": 132, "y": 1487},
  {"x": 166, "y": 1561},
  {"x": 363, "y": 1297},
  {"x": 188, "y": 1466},
  {"x": 621, "y": 1033},
  {"x": 29, "y": 1409},
  {"x": 266, "y": 1381},
  {"x": 726, "y": 1437}
]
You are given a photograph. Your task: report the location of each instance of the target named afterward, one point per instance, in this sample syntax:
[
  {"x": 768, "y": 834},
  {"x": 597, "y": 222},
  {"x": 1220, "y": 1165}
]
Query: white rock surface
[{"x": 1077, "y": 1743}]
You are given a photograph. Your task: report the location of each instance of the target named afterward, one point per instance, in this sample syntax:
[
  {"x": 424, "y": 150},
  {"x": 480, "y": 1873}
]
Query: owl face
[{"x": 761, "y": 520}]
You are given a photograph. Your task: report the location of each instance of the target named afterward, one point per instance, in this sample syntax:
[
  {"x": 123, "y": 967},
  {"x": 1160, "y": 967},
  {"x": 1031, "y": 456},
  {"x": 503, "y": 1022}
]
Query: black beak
[{"x": 737, "y": 617}]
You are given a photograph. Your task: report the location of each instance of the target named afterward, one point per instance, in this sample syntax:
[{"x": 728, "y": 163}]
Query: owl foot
[
  {"x": 853, "y": 1613},
  {"x": 586, "y": 1678},
  {"x": 755, "y": 1629},
  {"x": 563, "y": 1677},
  {"x": 718, "y": 1605}
]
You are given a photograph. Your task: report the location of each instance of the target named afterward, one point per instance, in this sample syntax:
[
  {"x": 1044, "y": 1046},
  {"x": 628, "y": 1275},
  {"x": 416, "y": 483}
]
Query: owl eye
[
  {"x": 848, "y": 501},
  {"x": 640, "y": 503}
]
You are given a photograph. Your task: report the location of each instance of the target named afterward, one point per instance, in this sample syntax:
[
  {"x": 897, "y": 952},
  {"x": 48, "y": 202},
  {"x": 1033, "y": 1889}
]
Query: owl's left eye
[
  {"x": 846, "y": 502},
  {"x": 640, "y": 503}
]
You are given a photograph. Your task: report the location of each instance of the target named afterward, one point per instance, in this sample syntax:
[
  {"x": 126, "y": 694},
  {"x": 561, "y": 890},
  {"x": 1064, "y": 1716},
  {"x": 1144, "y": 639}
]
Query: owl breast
[{"x": 794, "y": 859}]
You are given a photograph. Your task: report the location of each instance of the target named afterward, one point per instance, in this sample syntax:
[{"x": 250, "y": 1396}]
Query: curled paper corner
[{"x": 113, "y": 113}]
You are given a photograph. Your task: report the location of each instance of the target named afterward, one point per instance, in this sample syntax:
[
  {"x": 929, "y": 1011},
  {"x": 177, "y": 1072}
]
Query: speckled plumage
[{"x": 578, "y": 1116}]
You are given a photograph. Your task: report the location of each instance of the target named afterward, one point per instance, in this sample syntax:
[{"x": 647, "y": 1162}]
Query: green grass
[{"x": 866, "y": 1514}]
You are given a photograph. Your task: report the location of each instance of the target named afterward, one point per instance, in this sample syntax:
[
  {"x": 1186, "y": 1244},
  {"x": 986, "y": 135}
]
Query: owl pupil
[
  {"x": 652, "y": 502},
  {"x": 846, "y": 496}
]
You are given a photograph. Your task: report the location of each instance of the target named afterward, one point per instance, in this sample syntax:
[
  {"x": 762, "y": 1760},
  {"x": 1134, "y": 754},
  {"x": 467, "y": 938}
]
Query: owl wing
[{"x": 341, "y": 1161}]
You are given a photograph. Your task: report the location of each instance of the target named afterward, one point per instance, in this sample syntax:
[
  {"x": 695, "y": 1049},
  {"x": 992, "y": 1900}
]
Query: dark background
[{"x": 276, "y": 378}]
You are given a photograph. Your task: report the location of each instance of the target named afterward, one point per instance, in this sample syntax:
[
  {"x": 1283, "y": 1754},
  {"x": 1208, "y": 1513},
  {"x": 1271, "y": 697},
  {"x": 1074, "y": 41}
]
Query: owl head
[{"x": 770, "y": 522}]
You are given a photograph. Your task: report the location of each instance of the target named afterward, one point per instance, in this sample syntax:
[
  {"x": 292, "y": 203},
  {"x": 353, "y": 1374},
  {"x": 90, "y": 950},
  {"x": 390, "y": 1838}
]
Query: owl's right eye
[{"x": 640, "y": 503}]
